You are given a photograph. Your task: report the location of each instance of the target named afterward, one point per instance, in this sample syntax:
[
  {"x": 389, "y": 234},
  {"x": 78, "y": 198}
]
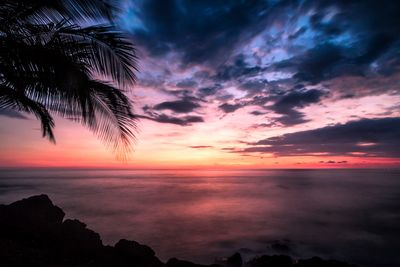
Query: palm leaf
[
  {"x": 49, "y": 63},
  {"x": 10, "y": 98},
  {"x": 44, "y": 11},
  {"x": 111, "y": 52}
]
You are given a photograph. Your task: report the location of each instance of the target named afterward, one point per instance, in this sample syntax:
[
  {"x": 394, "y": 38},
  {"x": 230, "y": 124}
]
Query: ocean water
[{"x": 199, "y": 215}]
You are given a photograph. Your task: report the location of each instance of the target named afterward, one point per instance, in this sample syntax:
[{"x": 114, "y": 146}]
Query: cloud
[
  {"x": 257, "y": 113},
  {"x": 292, "y": 117},
  {"x": 319, "y": 40},
  {"x": 179, "y": 106},
  {"x": 208, "y": 91},
  {"x": 365, "y": 137},
  {"x": 238, "y": 69},
  {"x": 351, "y": 36},
  {"x": 182, "y": 121},
  {"x": 201, "y": 31},
  {"x": 287, "y": 104},
  {"x": 201, "y": 147},
  {"x": 189, "y": 83},
  {"x": 276, "y": 56},
  {"x": 334, "y": 162},
  {"x": 297, "y": 99},
  {"x": 315, "y": 65},
  {"x": 228, "y": 148},
  {"x": 254, "y": 85},
  {"x": 229, "y": 108},
  {"x": 263, "y": 125}
]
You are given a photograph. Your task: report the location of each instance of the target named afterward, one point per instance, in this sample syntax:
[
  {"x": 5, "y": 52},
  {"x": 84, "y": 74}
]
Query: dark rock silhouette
[
  {"x": 281, "y": 246},
  {"x": 136, "y": 254},
  {"x": 35, "y": 217},
  {"x": 271, "y": 261},
  {"x": 33, "y": 232},
  {"x": 286, "y": 261},
  {"x": 234, "y": 261},
  {"x": 318, "y": 262},
  {"x": 180, "y": 263},
  {"x": 76, "y": 236}
]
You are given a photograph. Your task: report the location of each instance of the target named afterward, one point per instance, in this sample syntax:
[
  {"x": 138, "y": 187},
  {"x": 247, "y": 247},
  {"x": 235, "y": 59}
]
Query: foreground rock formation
[{"x": 33, "y": 232}]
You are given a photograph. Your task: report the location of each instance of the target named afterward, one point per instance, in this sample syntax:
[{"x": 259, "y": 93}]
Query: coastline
[{"x": 33, "y": 232}]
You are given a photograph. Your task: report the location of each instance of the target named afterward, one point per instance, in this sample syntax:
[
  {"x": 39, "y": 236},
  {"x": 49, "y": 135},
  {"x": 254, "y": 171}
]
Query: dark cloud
[
  {"x": 328, "y": 61},
  {"x": 254, "y": 86},
  {"x": 317, "y": 64},
  {"x": 292, "y": 117},
  {"x": 317, "y": 23},
  {"x": 179, "y": 106},
  {"x": 186, "y": 84},
  {"x": 287, "y": 104},
  {"x": 297, "y": 99},
  {"x": 228, "y": 148},
  {"x": 366, "y": 137},
  {"x": 272, "y": 50},
  {"x": 334, "y": 162},
  {"x": 263, "y": 125},
  {"x": 208, "y": 91},
  {"x": 238, "y": 69},
  {"x": 163, "y": 118},
  {"x": 364, "y": 18},
  {"x": 257, "y": 113},
  {"x": 356, "y": 35},
  {"x": 298, "y": 33},
  {"x": 12, "y": 114},
  {"x": 351, "y": 35},
  {"x": 229, "y": 108},
  {"x": 201, "y": 31},
  {"x": 185, "y": 105}
]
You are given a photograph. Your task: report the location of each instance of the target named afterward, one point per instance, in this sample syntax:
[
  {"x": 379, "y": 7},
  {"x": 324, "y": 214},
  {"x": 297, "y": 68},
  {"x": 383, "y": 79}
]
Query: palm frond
[
  {"x": 10, "y": 98},
  {"x": 111, "y": 52},
  {"x": 49, "y": 63},
  {"x": 62, "y": 84},
  {"x": 115, "y": 123},
  {"x": 43, "y": 11}
]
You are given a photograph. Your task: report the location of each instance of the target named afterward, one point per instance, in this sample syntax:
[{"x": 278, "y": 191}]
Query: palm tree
[{"x": 51, "y": 64}]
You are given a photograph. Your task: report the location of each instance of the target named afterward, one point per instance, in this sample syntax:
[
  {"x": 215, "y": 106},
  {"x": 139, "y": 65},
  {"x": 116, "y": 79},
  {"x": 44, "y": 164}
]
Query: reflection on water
[{"x": 197, "y": 215}]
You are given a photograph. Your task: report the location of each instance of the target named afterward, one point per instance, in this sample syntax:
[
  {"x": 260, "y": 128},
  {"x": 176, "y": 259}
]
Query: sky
[{"x": 246, "y": 84}]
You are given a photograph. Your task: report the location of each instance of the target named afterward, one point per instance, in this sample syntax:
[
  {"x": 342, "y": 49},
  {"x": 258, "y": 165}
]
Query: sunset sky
[{"x": 257, "y": 84}]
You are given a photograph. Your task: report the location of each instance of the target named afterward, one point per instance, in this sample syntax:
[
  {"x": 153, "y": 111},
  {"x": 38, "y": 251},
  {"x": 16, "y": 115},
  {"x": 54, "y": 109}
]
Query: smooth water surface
[{"x": 199, "y": 215}]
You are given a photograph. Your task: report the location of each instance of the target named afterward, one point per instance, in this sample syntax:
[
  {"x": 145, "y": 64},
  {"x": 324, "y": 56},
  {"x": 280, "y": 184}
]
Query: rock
[
  {"x": 271, "y": 261},
  {"x": 174, "y": 262},
  {"x": 76, "y": 237},
  {"x": 134, "y": 249},
  {"x": 281, "y": 246},
  {"x": 33, "y": 210},
  {"x": 136, "y": 254},
  {"x": 33, "y": 233},
  {"x": 28, "y": 231},
  {"x": 318, "y": 262},
  {"x": 234, "y": 261},
  {"x": 31, "y": 218}
]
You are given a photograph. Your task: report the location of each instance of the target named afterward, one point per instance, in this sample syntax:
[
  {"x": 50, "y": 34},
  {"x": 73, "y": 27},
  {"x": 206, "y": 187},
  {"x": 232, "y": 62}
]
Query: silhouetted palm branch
[
  {"x": 10, "y": 98},
  {"x": 70, "y": 70},
  {"x": 44, "y": 11}
]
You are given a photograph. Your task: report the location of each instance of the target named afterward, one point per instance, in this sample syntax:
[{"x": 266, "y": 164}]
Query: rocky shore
[{"x": 33, "y": 232}]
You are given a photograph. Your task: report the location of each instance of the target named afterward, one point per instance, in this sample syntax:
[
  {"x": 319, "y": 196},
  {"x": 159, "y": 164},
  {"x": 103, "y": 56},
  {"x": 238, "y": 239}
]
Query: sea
[{"x": 203, "y": 215}]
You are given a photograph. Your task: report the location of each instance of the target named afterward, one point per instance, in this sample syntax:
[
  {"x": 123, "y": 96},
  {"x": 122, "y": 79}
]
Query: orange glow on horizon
[{"x": 164, "y": 146}]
